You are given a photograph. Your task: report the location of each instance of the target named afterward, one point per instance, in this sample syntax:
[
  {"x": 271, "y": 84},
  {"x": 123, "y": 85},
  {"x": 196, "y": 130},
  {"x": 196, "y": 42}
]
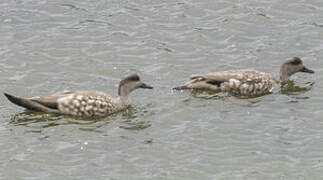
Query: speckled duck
[
  {"x": 82, "y": 103},
  {"x": 245, "y": 82}
]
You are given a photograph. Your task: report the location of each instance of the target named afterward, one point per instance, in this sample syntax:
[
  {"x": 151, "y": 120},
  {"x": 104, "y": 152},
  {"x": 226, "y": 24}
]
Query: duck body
[
  {"x": 237, "y": 82},
  {"x": 245, "y": 82},
  {"x": 79, "y": 103},
  {"x": 90, "y": 103},
  {"x": 82, "y": 103}
]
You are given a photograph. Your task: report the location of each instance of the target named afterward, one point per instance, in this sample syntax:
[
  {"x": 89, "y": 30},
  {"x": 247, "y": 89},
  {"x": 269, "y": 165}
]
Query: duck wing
[
  {"x": 50, "y": 101},
  {"x": 239, "y": 75},
  {"x": 210, "y": 81},
  {"x": 45, "y": 103}
]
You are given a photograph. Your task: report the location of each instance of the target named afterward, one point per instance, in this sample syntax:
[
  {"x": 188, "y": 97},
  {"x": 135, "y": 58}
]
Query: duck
[
  {"x": 82, "y": 103},
  {"x": 245, "y": 82}
]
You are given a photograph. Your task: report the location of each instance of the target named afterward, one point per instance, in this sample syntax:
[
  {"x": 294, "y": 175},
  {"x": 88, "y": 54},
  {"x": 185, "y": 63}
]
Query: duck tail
[
  {"x": 16, "y": 100},
  {"x": 190, "y": 85},
  {"x": 28, "y": 103}
]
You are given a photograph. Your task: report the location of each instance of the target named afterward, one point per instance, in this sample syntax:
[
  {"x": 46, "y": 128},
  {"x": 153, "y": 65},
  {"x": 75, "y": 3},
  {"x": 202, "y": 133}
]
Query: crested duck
[
  {"x": 82, "y": 103},
  {"x": 245, "y": 82}
]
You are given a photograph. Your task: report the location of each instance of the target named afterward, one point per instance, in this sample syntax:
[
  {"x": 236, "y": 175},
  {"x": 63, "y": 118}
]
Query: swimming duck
[
  {"x": 245, "y": 82},
  {"x": 82, "y": 103}
]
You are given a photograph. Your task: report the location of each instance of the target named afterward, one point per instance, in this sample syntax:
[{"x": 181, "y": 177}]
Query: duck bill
[
  {"x": 306, "y": 70},
  {"x": 146, "y": 86}
]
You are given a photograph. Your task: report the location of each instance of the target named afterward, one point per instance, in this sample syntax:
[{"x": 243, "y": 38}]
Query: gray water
[{"x": 49, "y": 46}]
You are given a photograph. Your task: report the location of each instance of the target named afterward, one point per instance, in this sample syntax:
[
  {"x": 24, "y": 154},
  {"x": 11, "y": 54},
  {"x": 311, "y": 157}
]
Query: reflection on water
[
  {"x": 209, "y": 95},
  {"x": 292, "y": 88},
  {"x": 131, "y": 119},
  {"x": 32, "y": 119}
]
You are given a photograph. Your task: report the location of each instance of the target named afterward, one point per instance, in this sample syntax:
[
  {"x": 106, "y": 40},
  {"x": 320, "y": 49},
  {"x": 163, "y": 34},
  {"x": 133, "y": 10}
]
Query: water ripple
[{"x": 49, "y": 46}]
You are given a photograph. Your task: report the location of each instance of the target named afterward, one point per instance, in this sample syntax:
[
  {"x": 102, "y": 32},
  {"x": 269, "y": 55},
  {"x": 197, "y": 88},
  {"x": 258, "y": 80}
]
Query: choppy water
[{"x": 48, "y": 46}]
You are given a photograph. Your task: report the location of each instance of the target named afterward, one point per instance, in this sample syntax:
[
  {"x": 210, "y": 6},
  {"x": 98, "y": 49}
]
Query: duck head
[
  {"x": 292, "y": 66},
  {"x": 130, "y": 83}
]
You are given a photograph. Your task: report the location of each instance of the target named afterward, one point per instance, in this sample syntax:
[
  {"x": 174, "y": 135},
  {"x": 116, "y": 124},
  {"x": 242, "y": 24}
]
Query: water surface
[{"x": 49, "y": 46}]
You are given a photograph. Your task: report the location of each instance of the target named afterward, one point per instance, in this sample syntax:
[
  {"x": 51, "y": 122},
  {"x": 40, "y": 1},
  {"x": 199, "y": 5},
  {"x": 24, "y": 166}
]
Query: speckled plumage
[
  {"x": 244, "y": 82},
  {"x": 237, "y": 82},
  {"x": 88, "y": 104},
  {"x": 83, "y": 103}
]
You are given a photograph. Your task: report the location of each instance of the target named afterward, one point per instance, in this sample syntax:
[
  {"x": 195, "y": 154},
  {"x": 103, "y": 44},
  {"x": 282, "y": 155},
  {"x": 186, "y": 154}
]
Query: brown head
[
  {"x": 292, "y": 66},
  {"x": 130, "y": 83}
]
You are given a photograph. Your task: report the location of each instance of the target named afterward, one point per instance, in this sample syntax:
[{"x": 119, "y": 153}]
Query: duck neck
[
  {"x": 123, "y": 101},
  {"x": 123, "y": 93},
  {"x": 284, "y": 75}
]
